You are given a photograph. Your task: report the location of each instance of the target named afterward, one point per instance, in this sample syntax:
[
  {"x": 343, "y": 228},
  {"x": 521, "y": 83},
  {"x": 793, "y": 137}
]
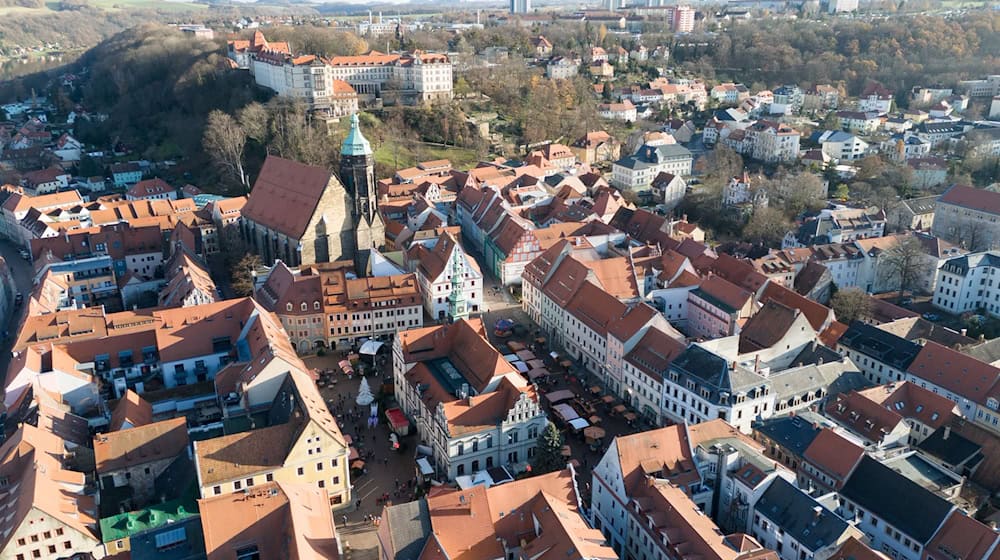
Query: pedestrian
[
  {"x": 385, "y": 461},
  {"x": 397, "y": 483},
  {"x": 345, "y": 520},
  {"x": 358, "y": 504}
]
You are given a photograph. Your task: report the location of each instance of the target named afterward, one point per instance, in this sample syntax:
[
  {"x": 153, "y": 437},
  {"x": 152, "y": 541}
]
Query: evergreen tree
[{"x": 548, "y": 453}]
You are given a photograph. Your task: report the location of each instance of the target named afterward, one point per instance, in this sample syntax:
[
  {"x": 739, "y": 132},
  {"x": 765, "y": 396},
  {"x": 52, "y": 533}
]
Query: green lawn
[
  {"x": 112, "y": 5},
  {"x": 164, "y": 5},
  {"x": 409, "y": 154}
]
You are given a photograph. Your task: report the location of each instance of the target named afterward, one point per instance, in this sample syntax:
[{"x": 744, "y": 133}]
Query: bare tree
[
  {"x": 225, "y": 141},
  {"x": 767, "y": 226},
  {"x": 241, "y": 274},
  {"x": 254, "y": 118},
  {"x": 902, "y": 264},
  {"x": 851, "y": 304}
]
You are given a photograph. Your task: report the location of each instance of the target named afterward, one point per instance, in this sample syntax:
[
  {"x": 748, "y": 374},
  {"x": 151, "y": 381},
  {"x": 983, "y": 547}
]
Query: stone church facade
[{"x": 303, "y": 214}]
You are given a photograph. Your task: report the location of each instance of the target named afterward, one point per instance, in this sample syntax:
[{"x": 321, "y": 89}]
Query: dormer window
[
  {"x": 288, "y": 307},
  {"x": 992, "y": 403},
  {"x": 304, "y": 306},
  {"x": 316, "y": 305}
]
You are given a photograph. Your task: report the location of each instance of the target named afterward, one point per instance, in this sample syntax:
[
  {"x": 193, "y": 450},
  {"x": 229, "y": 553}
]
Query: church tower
[
  {"x": 357, "y": 173},
  {"x": 458, "y": 307}
]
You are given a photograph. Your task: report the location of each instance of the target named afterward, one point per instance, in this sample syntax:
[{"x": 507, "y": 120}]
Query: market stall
[
  {"x": 560, "y": 395},
  {"x": 398, "y": 422}
]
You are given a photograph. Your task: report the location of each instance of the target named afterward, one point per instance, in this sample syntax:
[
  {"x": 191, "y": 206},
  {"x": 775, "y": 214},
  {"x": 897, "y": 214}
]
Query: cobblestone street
[{"x": 387, "y": 471}]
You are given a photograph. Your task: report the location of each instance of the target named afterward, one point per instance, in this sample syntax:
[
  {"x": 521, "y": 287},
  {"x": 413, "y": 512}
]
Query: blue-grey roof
[
  {"x": 884, "y": 346},
  {"x": 648, "y": 156},
  {"x": 409, "y": 525},
  {"x": 355, "y": 144},
  {"x": 711, "y": 372},
  {"x": 799, "y": 516},
  {"x": 791, "y": 432},
  {"x": 916, "y": 511},
  {"x": 951, "y": 448},
  {"x": 962, "y": 265},
  {"x": 831, "y": 136}
]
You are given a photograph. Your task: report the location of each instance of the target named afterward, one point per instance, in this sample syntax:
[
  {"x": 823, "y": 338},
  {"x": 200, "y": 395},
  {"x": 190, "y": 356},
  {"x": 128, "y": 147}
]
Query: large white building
[
  {"x": 652, "y": 493},
  {"x": 469, "y": 405},
  {"x": 969, "y": 283},
  {"x": 305, "y": 78},
  {"x": 418, "y": 75},
  {"x": 636, "y": 172}
]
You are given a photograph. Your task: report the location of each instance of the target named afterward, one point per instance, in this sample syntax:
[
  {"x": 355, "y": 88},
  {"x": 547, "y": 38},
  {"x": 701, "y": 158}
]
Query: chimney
[
  {"x": 964, "y": 331},
  {"x": 947, "y": 433},
  {"x": 756, "y": 363}
]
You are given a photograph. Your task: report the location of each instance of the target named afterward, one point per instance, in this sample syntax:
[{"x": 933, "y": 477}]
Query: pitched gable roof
[
  {"x": 286, "y": 194},
  {"x": 144, "y": 444},
  {"x": 132, "y": 410},
  {"x": 973, "y": 198},
  {"x": 956, "y": 372},
  {"x": 833, "y": 454}
]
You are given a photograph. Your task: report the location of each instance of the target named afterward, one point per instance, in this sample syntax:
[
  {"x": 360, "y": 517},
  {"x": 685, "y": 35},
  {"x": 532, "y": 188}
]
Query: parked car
[
  {"x": 24, "y": 254},
  {"x": 931, "y": 316},
  {"x": 18, "y": 299}
]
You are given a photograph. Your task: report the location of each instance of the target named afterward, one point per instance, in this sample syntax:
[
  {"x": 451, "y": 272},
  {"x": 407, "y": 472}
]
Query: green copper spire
[{"x": 355, "y": 144}]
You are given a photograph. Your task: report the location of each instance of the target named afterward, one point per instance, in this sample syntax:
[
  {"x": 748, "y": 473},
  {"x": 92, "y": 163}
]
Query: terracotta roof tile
[
  {"x": 768, "y": 326},
  {"x": 833, "y": 454},
  {"x": 132, "y": 409},
  {"x": 959, "y": 373},
  {"x": 135, "y": 446},
  {"x": 862, "y": 416},
  {"x": 853, "y": 549},
  {"x": 286, "y": 194},
  {"x": 284, "y": 520},
  {"x": 971, "y": 197},
  {"x": 819, "y": 315},
  {"x": 963, "y": 537},
  {"x": 913, "y": 401}
]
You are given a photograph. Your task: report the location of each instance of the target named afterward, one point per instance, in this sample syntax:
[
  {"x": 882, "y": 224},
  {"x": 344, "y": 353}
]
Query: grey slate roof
[
  {"x": 918, "y": 515},
  {"x": 648, "y": 156},
  {"x": 922, "y": 205},
  {"x": 831, "y": 378},
  {"x": 954, "y": 450},
  {"x": 801, "y": 517},
  {"x": 712, "y": 372},
  {"x": 884, "y": 346},
  {"x": 792, "y": 432},
  {"x": 409, "y": 525},
  {"x": 962, "y": 265}
]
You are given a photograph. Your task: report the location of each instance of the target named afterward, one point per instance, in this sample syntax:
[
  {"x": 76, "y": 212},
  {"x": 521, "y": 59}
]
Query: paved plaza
[{"x": 389, "y": 471}]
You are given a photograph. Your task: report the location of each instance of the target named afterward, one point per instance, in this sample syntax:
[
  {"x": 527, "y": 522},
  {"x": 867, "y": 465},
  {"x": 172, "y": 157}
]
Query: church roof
[
  {"x": 285, "y": 195},
  {"x": 355, "y": 144}
]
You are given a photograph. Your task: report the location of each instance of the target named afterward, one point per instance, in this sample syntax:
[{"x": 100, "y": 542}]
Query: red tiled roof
[
  {"x": 135, "y": 446},
  {"x": 286, "y": 194},
  {"x": 819, "y": 315},
  {"x": 833, "y": 454},
  {"x": 957, "y": 372},
  {"x": 973, "y": 198},
  {"x": 962, "y": 537}
]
